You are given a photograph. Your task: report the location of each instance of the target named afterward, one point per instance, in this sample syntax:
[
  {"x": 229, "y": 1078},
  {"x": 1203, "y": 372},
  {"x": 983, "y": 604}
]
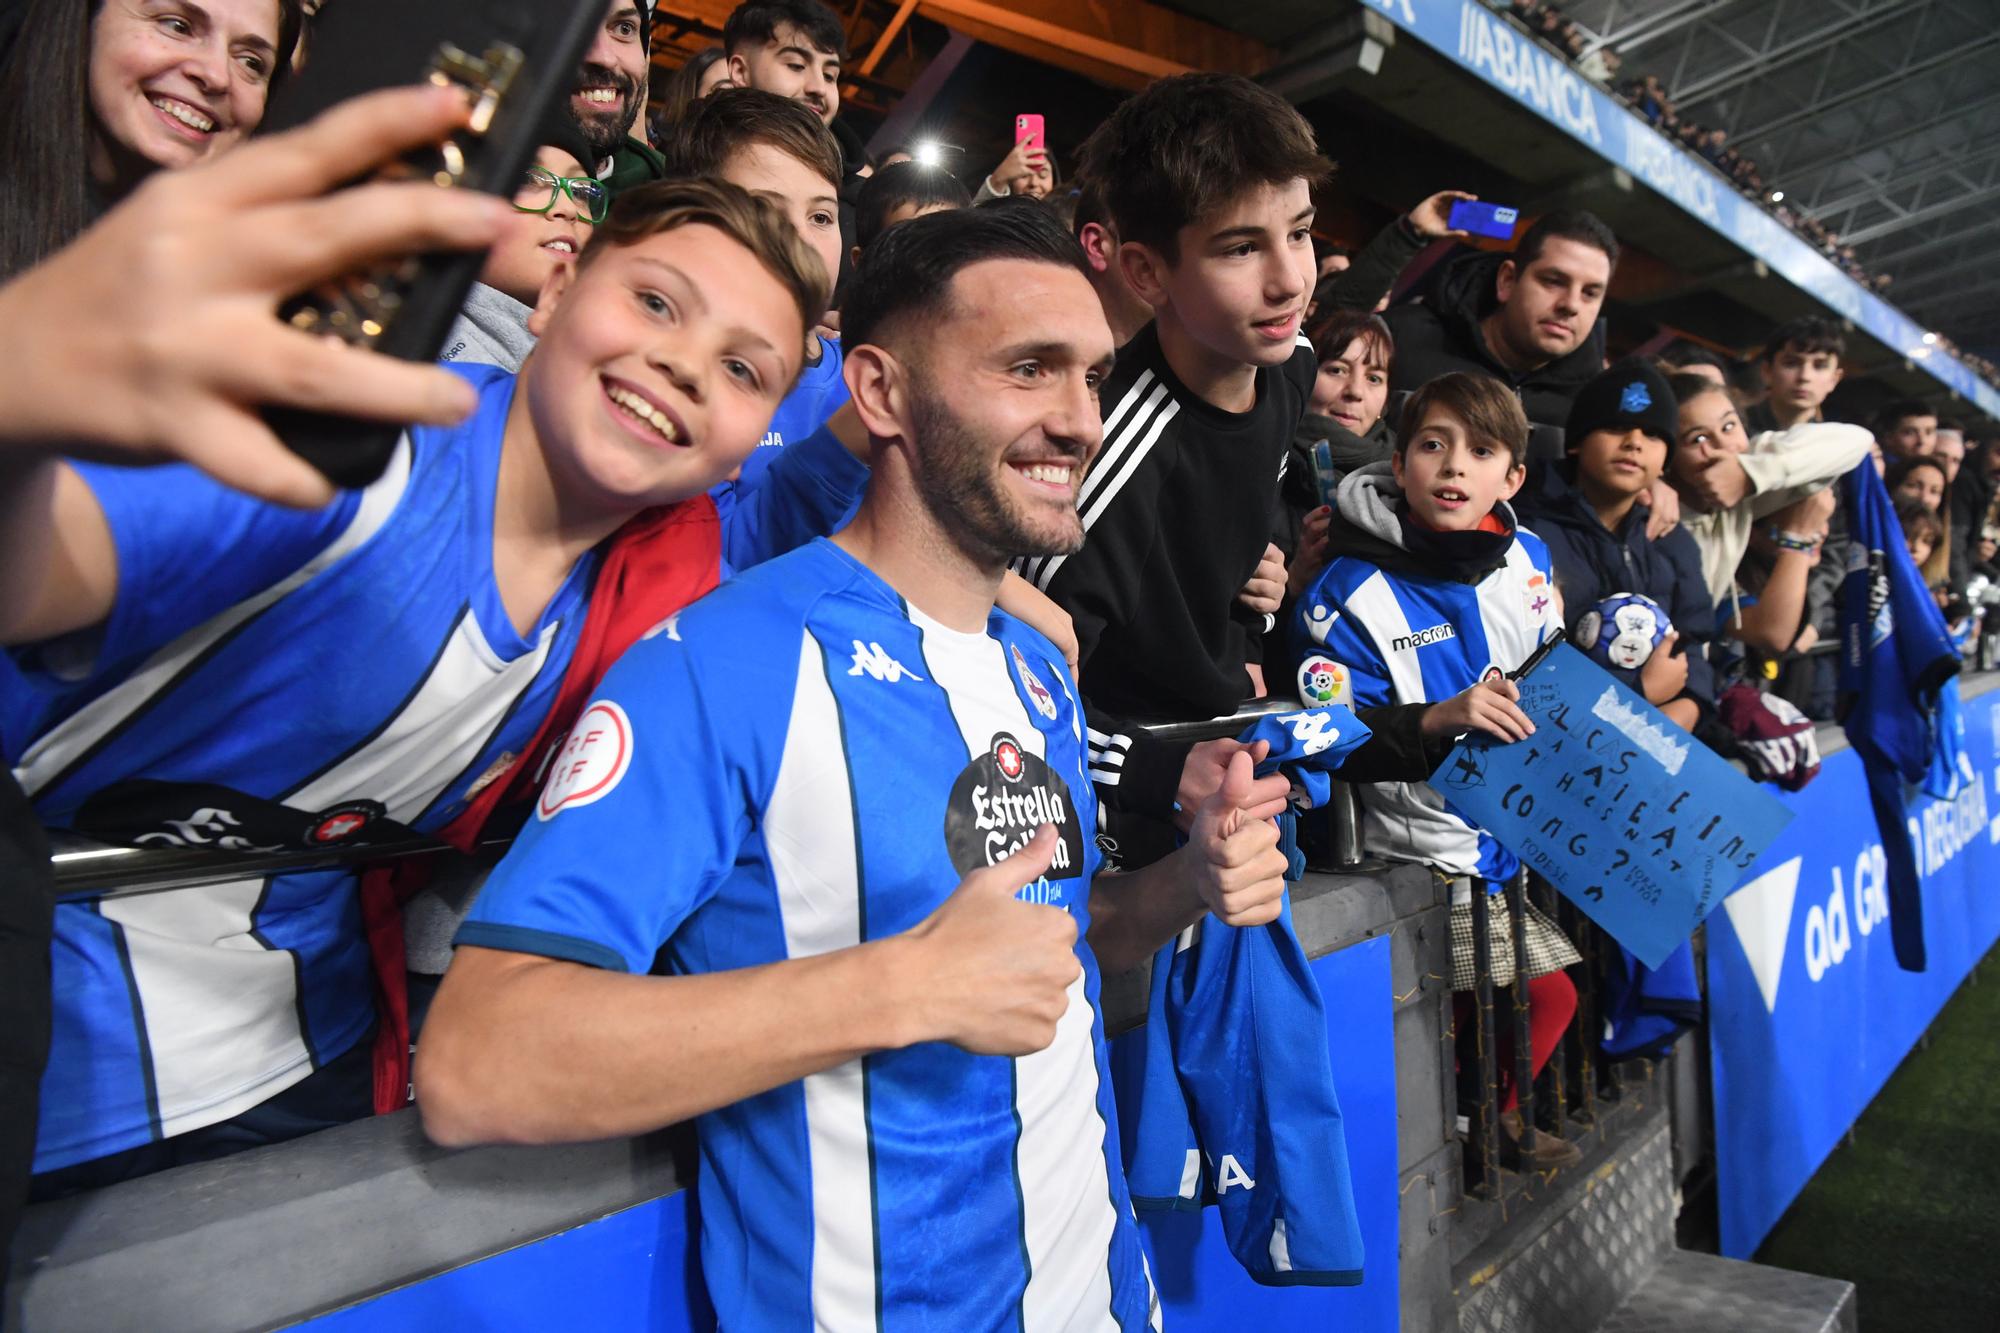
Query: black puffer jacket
[
  {"x": 1592, "y": 563},
  {"x": 1439, "y": 333}
]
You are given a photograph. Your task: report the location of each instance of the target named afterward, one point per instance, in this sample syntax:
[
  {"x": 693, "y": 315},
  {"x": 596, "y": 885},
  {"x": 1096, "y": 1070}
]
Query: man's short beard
[
  {"x": 962, "y": 492},
  {"x": 604, "y": 131}
]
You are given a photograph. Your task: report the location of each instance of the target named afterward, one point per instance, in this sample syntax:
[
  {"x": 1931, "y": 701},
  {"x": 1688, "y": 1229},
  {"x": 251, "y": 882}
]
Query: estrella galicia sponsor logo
[
  {"x": 1422, "y": 638},
  {"x": 997, "y": 803}
]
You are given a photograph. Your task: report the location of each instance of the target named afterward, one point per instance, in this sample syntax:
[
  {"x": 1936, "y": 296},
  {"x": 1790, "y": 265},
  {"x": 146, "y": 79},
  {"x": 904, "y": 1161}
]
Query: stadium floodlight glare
[
  {"x": 1930, "y": 339},
  {"x": 928, "y": 153},
  {"x": 1777, "y": 196}
]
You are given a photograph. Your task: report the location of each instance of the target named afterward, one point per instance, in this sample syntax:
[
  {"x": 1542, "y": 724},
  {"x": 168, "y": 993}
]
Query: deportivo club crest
[{"x": 1038, "y": 693}]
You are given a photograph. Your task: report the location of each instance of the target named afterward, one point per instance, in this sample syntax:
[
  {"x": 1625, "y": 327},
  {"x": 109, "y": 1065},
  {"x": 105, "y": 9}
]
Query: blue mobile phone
[
  {"x": 1495, "y": 220},
  {"x": 1323, "y": 470}
]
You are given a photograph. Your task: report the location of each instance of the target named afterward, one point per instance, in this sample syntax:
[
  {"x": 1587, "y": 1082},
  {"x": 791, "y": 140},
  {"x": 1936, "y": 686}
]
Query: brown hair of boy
[
  {"x": 758, "y": 226},
  {"x": 1186, "y": 146},
  {"x": 730, "y": 119},
  {"x": 1488, "y": 408}
]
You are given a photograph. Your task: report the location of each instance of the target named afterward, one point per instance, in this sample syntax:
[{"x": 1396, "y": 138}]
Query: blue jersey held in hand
[{"x": 1224, "y": 1096}]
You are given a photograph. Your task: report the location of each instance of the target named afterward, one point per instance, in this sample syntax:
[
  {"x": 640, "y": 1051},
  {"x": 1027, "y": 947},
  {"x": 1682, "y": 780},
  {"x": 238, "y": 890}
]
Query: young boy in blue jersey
[
  {"x": 820, "y": 868},
  {"x": 238, "y": 675},
  {"x": 776, "y": 148},
  {"x": 1433, "y": 591}
]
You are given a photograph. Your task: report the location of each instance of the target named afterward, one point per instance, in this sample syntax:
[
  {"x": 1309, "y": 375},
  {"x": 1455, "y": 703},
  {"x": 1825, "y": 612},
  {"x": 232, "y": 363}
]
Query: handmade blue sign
[{"x": 1633, "y": 819}]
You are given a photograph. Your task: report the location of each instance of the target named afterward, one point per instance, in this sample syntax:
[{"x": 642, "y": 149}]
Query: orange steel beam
[
  {"x": 895, "y": 25},
  {"x": 1127, "y": 46}
]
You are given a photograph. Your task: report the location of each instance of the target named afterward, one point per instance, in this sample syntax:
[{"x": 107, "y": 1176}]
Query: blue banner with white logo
[
  {"x": 1482, "y": 42},
  {"x": 1809, "y": 1012}
]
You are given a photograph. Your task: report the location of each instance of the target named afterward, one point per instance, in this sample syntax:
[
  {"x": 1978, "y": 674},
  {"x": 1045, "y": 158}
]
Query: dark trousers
[{"x": 27, "y": 916}]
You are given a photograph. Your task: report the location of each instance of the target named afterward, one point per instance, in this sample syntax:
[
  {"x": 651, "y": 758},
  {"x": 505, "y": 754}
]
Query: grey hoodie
[
  {"x": 492, "y": 330},
  {"x": 1368, "y": 523}
]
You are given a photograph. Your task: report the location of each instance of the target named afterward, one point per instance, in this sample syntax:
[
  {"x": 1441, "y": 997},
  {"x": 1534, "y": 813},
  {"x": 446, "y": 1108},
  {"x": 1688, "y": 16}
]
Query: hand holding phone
[
  {"x": 1481, "y": 219},
  {"x": 1028, "y": 130},
  {"x": 510, "y": 62},
  {"x": 164, "y": 307}
]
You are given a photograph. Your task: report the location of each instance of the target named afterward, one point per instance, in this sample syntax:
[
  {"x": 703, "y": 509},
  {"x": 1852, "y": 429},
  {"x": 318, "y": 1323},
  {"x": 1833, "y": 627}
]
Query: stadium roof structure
[{"x": 1878, "y": 118}]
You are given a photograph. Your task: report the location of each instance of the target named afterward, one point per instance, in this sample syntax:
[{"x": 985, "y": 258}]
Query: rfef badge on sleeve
[{"x": 1634, "y": 820}]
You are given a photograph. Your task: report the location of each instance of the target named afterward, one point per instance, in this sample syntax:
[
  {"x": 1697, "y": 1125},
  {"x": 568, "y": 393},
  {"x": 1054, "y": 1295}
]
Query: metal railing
[
  {"x": 1567, "y": 1094},
  {"x": 87, "y": 869}
]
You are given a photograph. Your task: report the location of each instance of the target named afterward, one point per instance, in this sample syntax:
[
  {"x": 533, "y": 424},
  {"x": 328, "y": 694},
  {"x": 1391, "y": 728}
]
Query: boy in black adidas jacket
[{"x": 1208, "y": 179}]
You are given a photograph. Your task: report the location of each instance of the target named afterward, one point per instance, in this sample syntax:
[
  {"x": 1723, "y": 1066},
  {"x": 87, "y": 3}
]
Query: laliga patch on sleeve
[
  {"x": 1325, "y": 681},
  {"x": 592, "y": 760}
]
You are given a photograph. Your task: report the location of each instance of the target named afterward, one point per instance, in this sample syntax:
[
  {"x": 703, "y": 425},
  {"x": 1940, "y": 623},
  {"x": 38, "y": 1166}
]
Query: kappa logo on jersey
[
  {"x": 591, "y": 762},
  {"x": 870, "y": 660},
  {"x": 671, "y": 627},
  {"x": 996, "y": 804},
  {"x": 1325, "y": 681},
  {"x": 1038, "y": 693},
  {"x": 1423, "y": 638},
  {"x": 1314, "y": 729}
]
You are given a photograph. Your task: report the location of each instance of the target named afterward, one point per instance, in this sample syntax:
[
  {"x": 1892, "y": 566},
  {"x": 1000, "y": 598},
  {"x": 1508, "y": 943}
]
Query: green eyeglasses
[{"x": 540, "y": 190}]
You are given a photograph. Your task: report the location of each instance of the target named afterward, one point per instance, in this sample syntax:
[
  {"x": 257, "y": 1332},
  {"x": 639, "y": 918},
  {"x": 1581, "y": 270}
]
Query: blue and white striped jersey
[
  {"x": 798, "y": 763},
  {"x": 1366, "y": 636},
  {"x": 268, "y": 679}
]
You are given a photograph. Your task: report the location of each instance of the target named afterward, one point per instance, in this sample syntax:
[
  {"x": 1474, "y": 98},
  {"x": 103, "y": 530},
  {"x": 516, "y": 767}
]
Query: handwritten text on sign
[{"x": 1635, "y": 821}]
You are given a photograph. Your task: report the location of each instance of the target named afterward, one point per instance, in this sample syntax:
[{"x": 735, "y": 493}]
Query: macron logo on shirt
[
  {"x": 870, "y": 660},
  {"x": 1422, "y": 638}
]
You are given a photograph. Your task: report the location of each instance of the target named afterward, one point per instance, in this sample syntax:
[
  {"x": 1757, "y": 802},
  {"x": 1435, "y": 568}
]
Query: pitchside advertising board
[
  {"x": 1502, "y": 56},
  {"x": 1809, "y": 1013}
]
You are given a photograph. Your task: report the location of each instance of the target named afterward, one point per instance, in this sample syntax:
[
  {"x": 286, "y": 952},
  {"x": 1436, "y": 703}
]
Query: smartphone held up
[{"x": 512, "y": 59}]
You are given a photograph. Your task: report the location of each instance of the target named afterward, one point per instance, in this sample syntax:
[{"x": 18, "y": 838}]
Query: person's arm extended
[
  {"x": 153, "y": 337},
  {"x": 805, "y": 492},
  {"x": 1230, "y": 865},
  {"x": 1785, "y": 467},
  {"x": 1373, "y": 273},
  {"x": 520, "y": 1048},
  {"x": 1036, "y": 609},
  {"x": 1773, "y": 624}
]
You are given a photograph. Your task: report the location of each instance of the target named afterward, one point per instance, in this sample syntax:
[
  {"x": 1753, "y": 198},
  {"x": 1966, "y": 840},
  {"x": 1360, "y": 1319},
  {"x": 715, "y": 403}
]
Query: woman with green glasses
[{"x": 554, "y": 210}]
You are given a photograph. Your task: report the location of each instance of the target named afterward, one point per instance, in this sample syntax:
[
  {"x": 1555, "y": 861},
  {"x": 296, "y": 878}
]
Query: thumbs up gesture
[
  {"x": 1233, "y": 855},
  {"x": 998, "y": 970}
]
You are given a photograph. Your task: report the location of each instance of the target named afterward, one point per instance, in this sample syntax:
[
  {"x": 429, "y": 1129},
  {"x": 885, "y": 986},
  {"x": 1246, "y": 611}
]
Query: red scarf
[{"x": 659, "y": 562}]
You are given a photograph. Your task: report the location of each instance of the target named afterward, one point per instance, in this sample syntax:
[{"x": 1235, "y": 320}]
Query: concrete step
[{"x": 1698, "y": 1293}]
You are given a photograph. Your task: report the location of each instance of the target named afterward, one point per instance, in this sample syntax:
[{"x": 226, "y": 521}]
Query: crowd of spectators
[
  {"x": 1648, "y": 95},
  {"x": 790, "y": 553}
]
